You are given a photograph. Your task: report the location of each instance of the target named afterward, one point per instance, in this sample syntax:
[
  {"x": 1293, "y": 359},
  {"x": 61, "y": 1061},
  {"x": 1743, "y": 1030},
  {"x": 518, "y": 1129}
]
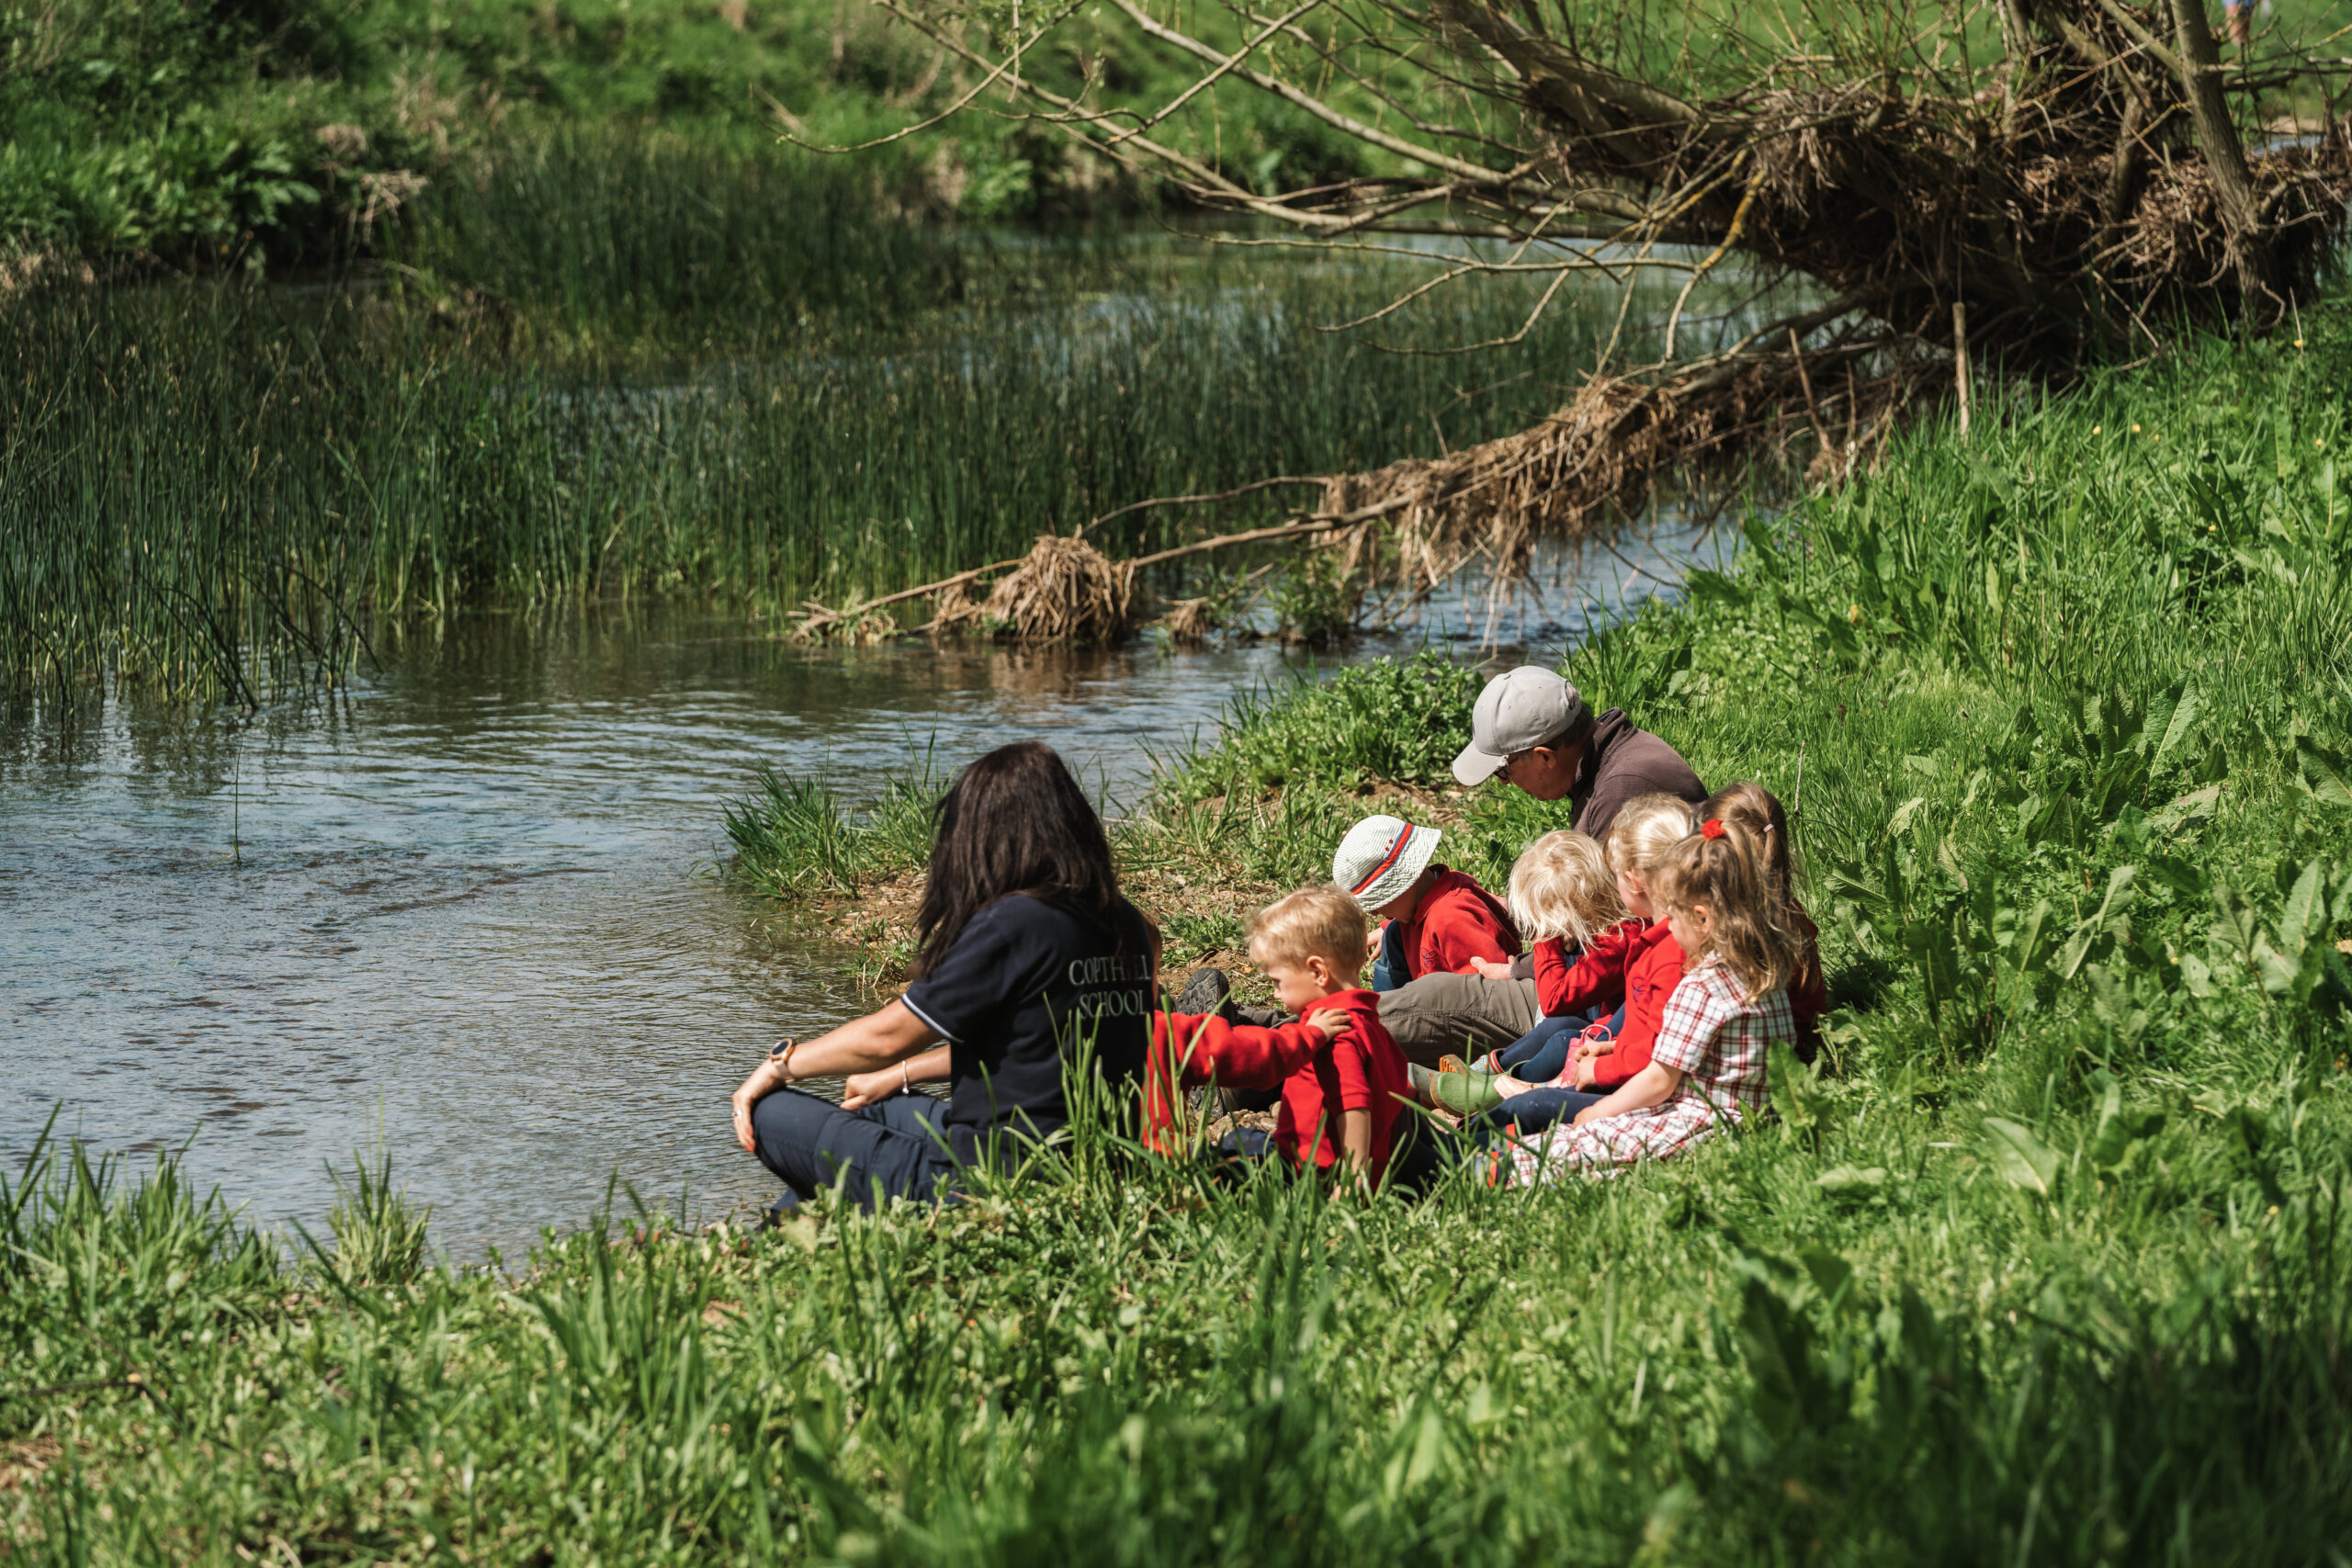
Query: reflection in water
[{"x": 469, "y": 910}]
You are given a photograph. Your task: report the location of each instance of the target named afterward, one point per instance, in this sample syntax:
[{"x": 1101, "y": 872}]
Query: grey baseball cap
[{"x": 1519, "y": 709}]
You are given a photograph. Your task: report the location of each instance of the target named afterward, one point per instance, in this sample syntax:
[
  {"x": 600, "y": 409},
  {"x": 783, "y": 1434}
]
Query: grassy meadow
[{"x": 2046, "y": 1264}]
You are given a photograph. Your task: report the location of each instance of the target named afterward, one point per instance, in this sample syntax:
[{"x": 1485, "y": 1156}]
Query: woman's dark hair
[{"x": 1015, "y": 821}]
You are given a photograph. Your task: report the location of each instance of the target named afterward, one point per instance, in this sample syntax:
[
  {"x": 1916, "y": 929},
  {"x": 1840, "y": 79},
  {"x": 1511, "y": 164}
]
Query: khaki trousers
[{"x": 1461, "y": 1014}]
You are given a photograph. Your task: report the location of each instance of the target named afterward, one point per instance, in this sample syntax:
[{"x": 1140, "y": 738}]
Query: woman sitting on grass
[
  {"x": 1707, "y": 1067},
  {"x": 1027, "y": 952}
]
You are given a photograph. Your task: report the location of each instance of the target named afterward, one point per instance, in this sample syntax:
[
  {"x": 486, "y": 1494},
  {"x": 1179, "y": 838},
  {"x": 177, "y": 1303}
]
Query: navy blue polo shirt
[{"x": 1023, "y": 984}]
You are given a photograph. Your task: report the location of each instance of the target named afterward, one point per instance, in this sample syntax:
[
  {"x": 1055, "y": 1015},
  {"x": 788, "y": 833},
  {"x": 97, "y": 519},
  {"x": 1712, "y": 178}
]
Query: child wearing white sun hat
[{"x": 1439, "y": 921}]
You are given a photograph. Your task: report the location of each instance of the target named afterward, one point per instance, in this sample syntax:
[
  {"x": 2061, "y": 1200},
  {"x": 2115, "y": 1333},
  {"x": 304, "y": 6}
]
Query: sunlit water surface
[{"x": 469, "y": 912}]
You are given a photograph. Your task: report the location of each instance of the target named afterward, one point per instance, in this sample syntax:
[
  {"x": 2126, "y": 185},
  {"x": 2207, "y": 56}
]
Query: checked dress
[{"x": 1717, "y": 1038}]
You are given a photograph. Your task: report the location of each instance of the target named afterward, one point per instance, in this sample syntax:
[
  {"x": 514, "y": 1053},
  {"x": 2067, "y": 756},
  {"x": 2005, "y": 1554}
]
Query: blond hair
[
  {"x": 1750, "y": 806},
  {"x": 1644, "y": 829},
  {"x": 1560, "y": 887},
  {"x": 1319, "y": 921},
  {"x": 1722, "y": 871}
]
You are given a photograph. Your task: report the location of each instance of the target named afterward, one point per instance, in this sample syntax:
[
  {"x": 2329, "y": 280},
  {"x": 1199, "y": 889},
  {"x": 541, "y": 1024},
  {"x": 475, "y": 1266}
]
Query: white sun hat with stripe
[{"x": 1381, "y": 857}]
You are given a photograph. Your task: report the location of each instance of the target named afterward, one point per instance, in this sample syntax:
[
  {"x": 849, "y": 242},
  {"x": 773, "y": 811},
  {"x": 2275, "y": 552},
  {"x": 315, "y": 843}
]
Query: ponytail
[
  {"x": 1750, "y": 806},
  {"x": 1721, "y": 867}
]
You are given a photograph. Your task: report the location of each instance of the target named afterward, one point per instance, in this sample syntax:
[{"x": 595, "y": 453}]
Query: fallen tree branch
[
  {"x": 1237, "y": 491},
  {"x": 1075, "y": 568},
  {"x": 820, "y": 616},
  {"x": 1320, "y": 523}
]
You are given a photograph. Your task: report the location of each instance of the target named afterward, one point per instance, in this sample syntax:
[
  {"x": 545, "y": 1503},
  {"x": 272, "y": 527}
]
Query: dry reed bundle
[
  {"x": 955, "y": 607},
  {"x": 1066, "y": 591},
  {"x": 1189, "y": 622}
]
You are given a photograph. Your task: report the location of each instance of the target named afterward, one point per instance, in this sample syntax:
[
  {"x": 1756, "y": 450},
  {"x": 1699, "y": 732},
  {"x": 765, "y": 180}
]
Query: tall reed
[{"x": 206, "y": 487}]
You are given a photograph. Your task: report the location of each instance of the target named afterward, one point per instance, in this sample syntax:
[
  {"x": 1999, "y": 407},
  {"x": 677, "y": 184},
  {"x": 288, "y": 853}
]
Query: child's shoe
[
  {"x": 1208, "y": 992},
  {"x": 1465, "y": 1094},
  {"x": 1485, "y": 1063}
]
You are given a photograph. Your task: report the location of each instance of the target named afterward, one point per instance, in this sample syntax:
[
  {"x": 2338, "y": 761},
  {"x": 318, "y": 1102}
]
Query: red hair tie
[{"x": 1713, "y": 828}]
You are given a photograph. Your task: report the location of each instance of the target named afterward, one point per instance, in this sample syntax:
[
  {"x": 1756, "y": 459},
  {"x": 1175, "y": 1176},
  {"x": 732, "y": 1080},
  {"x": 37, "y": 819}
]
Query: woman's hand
[
  {"x": 875, "y": 1044},
  {"x": 765, "y": 1080},
  {"x": 862, "y": 1090},
  {"x": 1490, "y": 969}
]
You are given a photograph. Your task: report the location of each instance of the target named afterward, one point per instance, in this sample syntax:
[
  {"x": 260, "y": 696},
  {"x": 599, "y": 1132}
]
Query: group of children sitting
[{"x": 1667, "y": 960}]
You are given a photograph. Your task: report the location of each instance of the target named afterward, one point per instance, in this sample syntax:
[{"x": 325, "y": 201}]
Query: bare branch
[
  {"x": 1205, "y": 82},
  {"x": 1475, "y": 174}
]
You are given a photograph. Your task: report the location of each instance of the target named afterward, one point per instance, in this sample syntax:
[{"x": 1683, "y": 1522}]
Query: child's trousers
[{"x": 1541, "y": 1054}]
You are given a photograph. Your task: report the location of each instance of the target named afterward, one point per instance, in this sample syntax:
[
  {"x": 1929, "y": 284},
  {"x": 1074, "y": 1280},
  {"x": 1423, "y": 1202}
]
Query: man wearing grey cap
[{"x": 1532, "y": 728}]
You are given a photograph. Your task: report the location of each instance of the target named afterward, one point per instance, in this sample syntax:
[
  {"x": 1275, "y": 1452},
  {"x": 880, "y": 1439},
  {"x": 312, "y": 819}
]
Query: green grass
[{"x": 2047, "y": 1267}]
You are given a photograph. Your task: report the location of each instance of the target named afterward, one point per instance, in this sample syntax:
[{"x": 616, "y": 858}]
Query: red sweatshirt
[
  {"x": 1191, "y": 1049},
  {"x": 1456, "y": 922},
  {"x": 1595, "y": 979},
  {"x": 1358, "y": 1069},
  {"x": 1652, "y": 971}
]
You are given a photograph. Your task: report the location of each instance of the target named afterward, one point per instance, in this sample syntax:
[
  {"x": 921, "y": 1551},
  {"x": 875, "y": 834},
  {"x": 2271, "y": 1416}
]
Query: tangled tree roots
[{"x": 1600, "y": 458}]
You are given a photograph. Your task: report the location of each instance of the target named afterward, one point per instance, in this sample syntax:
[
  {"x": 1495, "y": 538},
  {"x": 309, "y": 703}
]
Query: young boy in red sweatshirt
[
  {"x": 1439, "y": 920},
  {"x": 1343, "y": 1081}
]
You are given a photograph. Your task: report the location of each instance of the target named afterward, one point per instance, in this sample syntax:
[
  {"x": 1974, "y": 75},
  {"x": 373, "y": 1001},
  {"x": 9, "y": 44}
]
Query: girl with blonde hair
[
  {"x": 1707, "y": 1070},
  {"x": 1749, "y": 805},
  {"x": 1565, "y": 1066}
]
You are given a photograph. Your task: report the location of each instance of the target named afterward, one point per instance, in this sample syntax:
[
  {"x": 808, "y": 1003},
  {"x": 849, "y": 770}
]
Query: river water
[{"x": 469, "y": 912}]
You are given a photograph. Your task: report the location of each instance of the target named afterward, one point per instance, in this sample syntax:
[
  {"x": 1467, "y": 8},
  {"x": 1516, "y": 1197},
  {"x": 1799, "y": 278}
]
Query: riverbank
[{"x": 2046, "y": 1267}]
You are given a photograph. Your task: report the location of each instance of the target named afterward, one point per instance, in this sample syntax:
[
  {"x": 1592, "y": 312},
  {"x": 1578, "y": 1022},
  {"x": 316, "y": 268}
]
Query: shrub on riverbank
[
  {"x": 196, "y": 132},
  {"x": 2046, "y": 1267}
]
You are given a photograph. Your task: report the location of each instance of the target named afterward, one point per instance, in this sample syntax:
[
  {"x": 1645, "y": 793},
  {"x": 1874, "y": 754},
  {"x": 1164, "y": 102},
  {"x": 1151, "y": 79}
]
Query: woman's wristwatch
[{"x": 780, "y": 1054}]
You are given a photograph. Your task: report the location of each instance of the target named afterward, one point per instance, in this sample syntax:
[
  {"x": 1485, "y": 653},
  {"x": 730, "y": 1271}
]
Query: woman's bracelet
[{"x": 906, "y": 1084}]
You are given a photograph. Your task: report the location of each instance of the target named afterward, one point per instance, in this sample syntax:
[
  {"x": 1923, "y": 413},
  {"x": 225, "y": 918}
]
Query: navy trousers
[
  {"x": 1388, "y": 970},
  {"x": 893, "y": 1148},
  {"x": 1527, "y": 1114},
  {"x": 1539, "y": 1054}
]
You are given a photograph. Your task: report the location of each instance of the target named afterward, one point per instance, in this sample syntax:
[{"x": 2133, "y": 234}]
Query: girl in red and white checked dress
[{"x": 1707, "y": 1070}]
